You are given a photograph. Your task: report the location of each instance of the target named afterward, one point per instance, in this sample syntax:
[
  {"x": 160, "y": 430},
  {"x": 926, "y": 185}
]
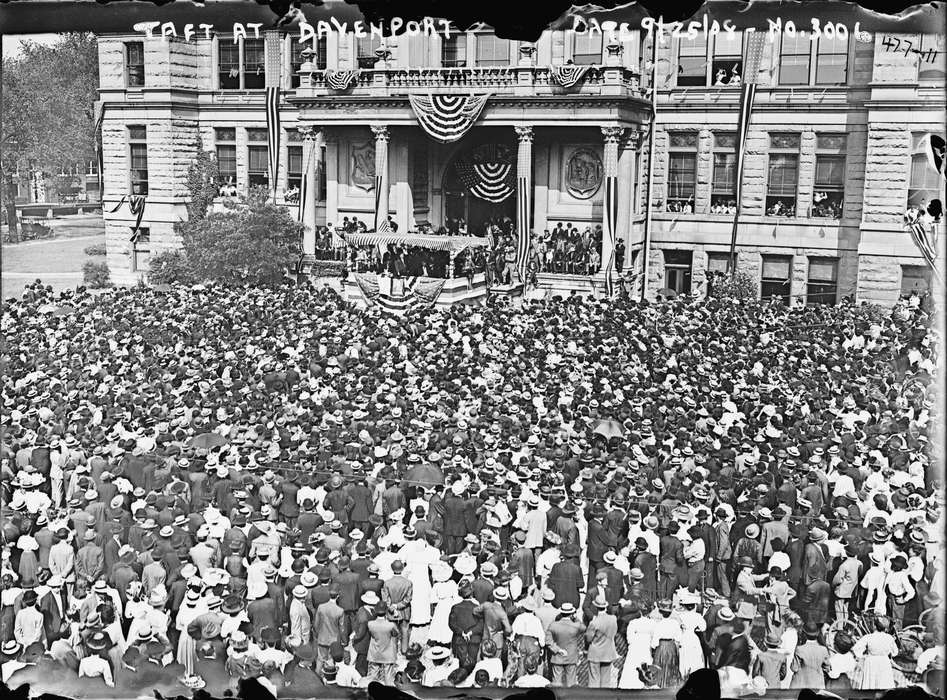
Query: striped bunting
[
  {"x": 419, "y": 294},
  {"x": 925, "y": 238},
  {"x": 447, "y": 117},
  {"x": 522, "y": 226},
  {"x": 304, "y": 186},
  {"x": 341, "y": 79},
  {"x": 567, "y": 76},
  {"x": 272, "y": 135},
  {"x": 493, "y": 182},
  {"x": 608, "y": 230}
]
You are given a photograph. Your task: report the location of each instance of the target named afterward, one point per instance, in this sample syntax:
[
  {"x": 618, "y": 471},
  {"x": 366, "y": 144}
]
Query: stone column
[
  {"x": 612, "y": 136},
  {"x": 382, "y": 136},
  {"x": 627, "y": 152},
  {"x": 524, "y": 189},
  {"x": 312, "y": 153}
]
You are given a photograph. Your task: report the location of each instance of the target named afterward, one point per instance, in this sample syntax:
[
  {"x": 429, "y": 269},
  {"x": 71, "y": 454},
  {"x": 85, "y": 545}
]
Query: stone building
[{"x": 833, "y": 155}]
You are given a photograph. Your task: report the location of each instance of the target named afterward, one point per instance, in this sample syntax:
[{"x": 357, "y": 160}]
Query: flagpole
[{"x": 646, "y": 243}]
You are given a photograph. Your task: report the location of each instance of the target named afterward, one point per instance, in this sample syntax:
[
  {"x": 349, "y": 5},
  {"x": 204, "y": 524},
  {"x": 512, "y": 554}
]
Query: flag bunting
[
  {"x": 341, "y": 79},
  {"x": 447, "y": 117},
  {"x": 568, "y": 76},
  {"x": 273, "y": 135}
]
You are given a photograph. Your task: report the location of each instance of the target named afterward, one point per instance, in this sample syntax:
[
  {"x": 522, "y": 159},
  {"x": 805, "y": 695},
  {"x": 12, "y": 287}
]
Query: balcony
[{"x": 512, "y": 81}]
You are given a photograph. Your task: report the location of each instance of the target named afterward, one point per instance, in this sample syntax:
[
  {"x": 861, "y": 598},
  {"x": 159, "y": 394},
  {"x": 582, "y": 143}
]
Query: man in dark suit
[
  {"x": 455, "y": 523},
  {"x": 347, "y": 581},
  {"x": 564, "y": 638},
  {"x": 466, "y": 622},
  {"x": 670, "y": 561},
  {"x": 565, "y": 577},
  {"x": 360, "y": 637},
  {"x": 598, "y": 541},
  {"x": 483, "y": 584}
]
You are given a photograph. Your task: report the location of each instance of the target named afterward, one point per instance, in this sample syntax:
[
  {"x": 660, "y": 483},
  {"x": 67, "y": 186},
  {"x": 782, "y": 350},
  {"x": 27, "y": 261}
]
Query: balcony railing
[{"x": 500, "y": 80}]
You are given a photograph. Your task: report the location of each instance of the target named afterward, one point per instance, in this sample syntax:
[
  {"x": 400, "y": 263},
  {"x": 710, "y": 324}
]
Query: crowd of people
[{"x": 204, "y": 484}]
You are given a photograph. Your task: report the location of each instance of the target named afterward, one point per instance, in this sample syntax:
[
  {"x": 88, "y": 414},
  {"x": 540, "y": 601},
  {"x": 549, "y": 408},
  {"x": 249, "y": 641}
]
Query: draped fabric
[
  {"x": 522, "y": 225},
  {"x": 447, "y": 117},
  {"x": 418, "y": 294},
  {"x": 341, "y": 79},
  {"x": 136, "y": 205},
  {"x": 568, "y": 76},
  {"x": 609, "y": 228},
  {"x": 487, "y": 173},
  {"x": 924, "y": 235},
  {"x": 431, "y": 242},
  {"x": 273, "y": 135}
]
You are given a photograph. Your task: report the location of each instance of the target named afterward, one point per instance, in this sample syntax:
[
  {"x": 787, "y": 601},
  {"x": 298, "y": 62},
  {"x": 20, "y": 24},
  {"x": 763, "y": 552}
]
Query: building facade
[{"x": 833, "y": 155}]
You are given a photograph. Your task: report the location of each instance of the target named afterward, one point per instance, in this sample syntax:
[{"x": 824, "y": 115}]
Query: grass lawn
[{"x": 57, "y": 261}]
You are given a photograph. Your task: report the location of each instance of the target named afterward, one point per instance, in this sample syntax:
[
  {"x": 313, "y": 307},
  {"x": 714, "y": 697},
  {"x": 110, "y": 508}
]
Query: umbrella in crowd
[{"x": 206, "y": 485}]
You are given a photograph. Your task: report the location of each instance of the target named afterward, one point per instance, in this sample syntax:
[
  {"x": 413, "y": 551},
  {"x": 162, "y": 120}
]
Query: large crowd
[{"x": 206, "y": 484}]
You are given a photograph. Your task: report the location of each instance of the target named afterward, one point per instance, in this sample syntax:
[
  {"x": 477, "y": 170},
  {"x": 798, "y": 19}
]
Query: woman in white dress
[
  {"x": 639, "y": 649},
  {"x": 692, "y": 624},
  {"x": 187, "y": 646},
  {"x": 418, "y": 557},
  {"x": 789, "y": 640},
  {"x": 874, "y": 652},
  {"x": 443, "y": 595}
]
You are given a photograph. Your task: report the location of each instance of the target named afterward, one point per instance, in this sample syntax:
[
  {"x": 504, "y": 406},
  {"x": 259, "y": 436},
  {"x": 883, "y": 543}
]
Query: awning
[{"x": 419, "y": 240}]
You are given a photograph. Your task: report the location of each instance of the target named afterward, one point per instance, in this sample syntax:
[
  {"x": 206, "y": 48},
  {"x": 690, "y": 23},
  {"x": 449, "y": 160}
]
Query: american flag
[
  {"x": 522, "y": 226},
  {"x": 272, "y": 134}
]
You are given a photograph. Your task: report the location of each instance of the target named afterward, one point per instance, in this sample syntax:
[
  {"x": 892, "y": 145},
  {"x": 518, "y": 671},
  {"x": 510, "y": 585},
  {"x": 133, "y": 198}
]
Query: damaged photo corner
[{"x": 404, "y": 351}]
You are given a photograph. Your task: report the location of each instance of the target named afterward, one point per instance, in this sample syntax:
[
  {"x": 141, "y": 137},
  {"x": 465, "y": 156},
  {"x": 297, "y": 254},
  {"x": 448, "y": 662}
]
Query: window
[
  {"x": 492, "y": 50},
  {"x": 718, "y": 262},
  {"x": 294, "y": 166},
  {"x": 677, "y": 270},
  {"x": 932, "y": 57},
  {"x": 794, "y": 60},
  {"x": 831, "y": 61},
  {"x": 692, "y": 62},
  {"x": 829, "y": 191},
  {"x": 241, "y": 65},
  {"x": 454, "y": 50},
  {"x": 226, "y": 141},
  {"x": 925, "y": 182},
  {"x": 783, "y": 175},
  {"x": 682, "y": 172},
  {"x": 776, "y": 276},
  {"x": 228, "y": 65},
  {"x": 365, "y": 48},
  {"x": 727, "y": 65},
  {"x": 138, "y": 159},
  {"x": 296, "y": 58},
  {"x": 823, "y": 281},
  {"x": 135, "y": 64},
  {"x": 723, "y": 189},
  {"x": 915, "y": 279},
  {"x": 141, "y": 250},
  {"x": 254, "y": 72},
  {"x": 587, "y": 48},
  {"x": 257, "y": 158}
]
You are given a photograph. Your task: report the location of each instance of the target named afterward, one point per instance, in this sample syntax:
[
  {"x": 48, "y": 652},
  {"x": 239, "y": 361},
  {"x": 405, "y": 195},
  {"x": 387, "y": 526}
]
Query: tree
[
  {"x": 201, "y": 183},
  {"x": 252, "y": 243},
  {"x": 48, "y": 107}
]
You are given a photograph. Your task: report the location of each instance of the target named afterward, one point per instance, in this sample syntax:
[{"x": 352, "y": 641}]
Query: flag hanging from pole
[
  {"x": 925, "y": 238},
  {"x": 754, "y": 52},
  {"x": 522, "y": 226},
  {"x": 608, "y": 232},
  {"x": 272, "y": 134}
]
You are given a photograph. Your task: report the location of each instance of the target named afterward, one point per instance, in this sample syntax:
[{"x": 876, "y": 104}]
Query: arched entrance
[{"x": 479, "y": 186}]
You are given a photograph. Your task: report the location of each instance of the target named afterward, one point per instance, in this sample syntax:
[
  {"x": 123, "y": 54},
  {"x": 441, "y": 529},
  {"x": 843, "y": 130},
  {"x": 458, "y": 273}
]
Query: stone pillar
[
  {"x": 610, "y": 231},
  {"x": 524, "y": 189},
  {"x": 382, "y": 136},
  {"x": 628, "y": 150},
  {"x": 312, "y": 153}
]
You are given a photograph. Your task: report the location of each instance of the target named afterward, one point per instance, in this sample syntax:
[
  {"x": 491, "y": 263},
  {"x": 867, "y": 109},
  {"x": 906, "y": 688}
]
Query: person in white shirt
[
  {"x": 95, "y": 664},
  {"x": 531, "y": 679}
]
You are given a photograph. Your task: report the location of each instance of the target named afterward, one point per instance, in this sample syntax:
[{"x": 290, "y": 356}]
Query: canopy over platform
[{"x": 420, "y": 240}]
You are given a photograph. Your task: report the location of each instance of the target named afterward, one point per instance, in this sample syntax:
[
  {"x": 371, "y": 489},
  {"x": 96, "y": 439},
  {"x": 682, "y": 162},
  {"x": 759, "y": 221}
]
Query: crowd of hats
[{"x": 253, "y": 386}]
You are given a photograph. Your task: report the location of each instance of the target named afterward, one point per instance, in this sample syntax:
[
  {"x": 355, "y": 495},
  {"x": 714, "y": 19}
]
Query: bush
[
  {"x": 97, "y": 249},
  {"x": 252, "y": 243},
  {"x": 169, "y": 267},
  {"x": 95, "y": 275},
  {"x": 740, "y": 286}
]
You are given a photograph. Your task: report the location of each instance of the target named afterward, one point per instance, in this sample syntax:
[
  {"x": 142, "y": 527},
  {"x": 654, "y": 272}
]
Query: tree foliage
[
  {"x": 201, "y": 183},
  {"x": 49, "y": 95},
  {"x": 739, "y": 286},
  {"x": 251, "y": 243},
  {"x": 169, "y": 267}
]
